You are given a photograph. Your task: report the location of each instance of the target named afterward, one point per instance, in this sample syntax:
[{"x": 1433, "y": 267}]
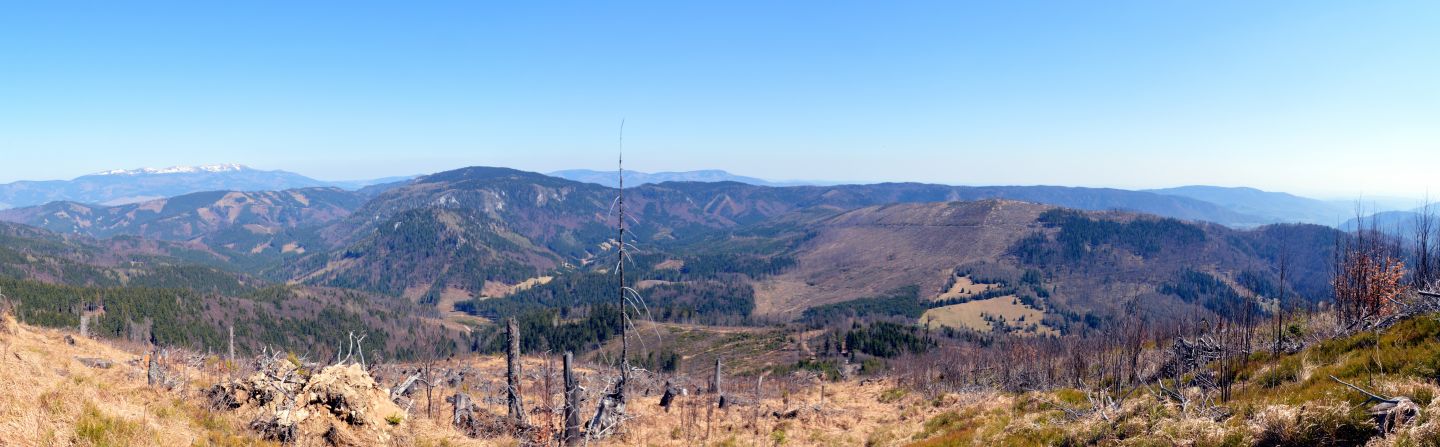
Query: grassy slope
[
  {"x": 48, "y": 397},
  {"x": 1284, "y": 400},
  {"x": 51, "y": 398}
]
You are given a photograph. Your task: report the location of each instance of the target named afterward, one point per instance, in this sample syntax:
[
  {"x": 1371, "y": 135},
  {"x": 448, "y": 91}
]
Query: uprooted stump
[
  {"x": 1393, "y": 413},
  {"x": 339, "y": 405},
  {"x": 473, "y": 421}
]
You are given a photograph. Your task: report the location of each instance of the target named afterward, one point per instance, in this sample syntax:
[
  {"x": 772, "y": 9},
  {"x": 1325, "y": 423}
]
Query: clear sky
[{"x": 1326, "y": 98}]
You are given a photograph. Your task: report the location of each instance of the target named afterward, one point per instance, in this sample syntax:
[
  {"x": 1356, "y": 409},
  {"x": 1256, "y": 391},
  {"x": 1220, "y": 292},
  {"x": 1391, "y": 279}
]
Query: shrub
[
  {"x": 943, "y": 423},
  {"x": 1287, "y": 370},
  {"x": 893, "y": 395},
  {"x": 778, "y": 436},
  {"x": 96, "y": 429}
]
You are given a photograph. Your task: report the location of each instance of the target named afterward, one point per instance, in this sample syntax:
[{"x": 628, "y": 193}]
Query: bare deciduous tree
[{"x": 1424, "y": 248}]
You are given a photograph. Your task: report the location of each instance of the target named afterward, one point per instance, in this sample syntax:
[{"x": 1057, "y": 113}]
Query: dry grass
[{"x": 50, "y": 398}]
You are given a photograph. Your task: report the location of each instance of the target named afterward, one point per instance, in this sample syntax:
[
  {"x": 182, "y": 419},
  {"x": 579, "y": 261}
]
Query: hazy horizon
[
  {"x": 1319, "y": 99},
  {"x": 1390, "y": 201}
]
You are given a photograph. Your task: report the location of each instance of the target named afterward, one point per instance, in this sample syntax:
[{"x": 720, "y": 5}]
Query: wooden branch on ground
[{"x": 1373, "y": 396}]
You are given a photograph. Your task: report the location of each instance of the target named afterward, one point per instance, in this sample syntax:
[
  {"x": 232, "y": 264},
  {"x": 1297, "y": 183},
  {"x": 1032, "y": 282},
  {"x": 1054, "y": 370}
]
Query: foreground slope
[{"x": 59, "y": 388}]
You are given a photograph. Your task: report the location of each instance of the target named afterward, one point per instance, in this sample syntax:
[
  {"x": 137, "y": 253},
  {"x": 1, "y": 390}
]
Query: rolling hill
[
  {"x": 1270, "y": 207},
  {"x": 479, "y": 231},
  {"x": 637, "y": 178},
  {"x": 1068, "y": 263}
]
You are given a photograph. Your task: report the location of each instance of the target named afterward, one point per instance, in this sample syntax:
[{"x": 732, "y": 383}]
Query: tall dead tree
[
  {"x": 611, "y": 410},
  {"x": 572, "y": 403},
  {"x": 512, "y": 373},
  {"x": 1279, "y": 326}
]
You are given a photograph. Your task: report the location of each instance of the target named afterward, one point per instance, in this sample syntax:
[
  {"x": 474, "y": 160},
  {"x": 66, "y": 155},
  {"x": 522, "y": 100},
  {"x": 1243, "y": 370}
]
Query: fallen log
[{"x": 1389, "y": 412}]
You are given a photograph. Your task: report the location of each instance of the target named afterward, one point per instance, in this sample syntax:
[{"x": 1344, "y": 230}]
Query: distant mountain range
[
  {"x": 1231, "y": 206},
  {"x": 1268, "y": 207},
  {"x": 1242, "y": 207},
  {"x": 237, "y": 223},
  {"x": 636, "y": 178},
  {"x": 125, "y": 186}
]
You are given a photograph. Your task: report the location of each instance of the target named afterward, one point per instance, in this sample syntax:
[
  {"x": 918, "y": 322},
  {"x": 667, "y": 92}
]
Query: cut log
[
  {"x": 94, "y": 362},
  {"x": 404, "y": 387}
]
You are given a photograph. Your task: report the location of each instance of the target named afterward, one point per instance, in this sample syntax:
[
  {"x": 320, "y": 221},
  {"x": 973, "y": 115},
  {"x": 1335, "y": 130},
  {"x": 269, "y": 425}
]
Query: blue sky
[{"x": 1326, "y": 98}]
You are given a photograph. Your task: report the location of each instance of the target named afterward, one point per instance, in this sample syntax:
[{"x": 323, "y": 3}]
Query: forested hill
[
  {"x": 500, "y": 242},
  {"x": 172, "y": 294},
  {"x": 476, "y": 225}
]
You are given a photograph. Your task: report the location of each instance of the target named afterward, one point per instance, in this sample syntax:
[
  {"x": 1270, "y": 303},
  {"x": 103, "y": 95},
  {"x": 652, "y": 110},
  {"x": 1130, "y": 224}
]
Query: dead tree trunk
[
  {"x": 715, "y": 385},
  {"x": 512, "y": 373},
  {"x": 84, "y": 325},
  {"x": 611, "y": 410},
  {"x": 759, "y": 398},
  {"x": 668, "y": 397},
  {"x": 232, "y": 343},
  {"x": 572, "y": 403}
]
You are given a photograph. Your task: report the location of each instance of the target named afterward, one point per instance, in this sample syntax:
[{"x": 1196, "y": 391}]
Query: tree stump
[
  {"x": 512, "y": 373},
  {"x": 572, "y": 403}
]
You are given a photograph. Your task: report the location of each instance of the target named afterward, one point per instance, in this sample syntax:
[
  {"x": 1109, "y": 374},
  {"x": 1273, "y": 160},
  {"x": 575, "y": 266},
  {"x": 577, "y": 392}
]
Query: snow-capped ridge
[{"x": 227, "y": 167}]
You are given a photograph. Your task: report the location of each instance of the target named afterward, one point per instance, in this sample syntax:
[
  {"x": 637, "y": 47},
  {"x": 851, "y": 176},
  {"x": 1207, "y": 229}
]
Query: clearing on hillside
[
  {"x": 973, "y": 315},
  {"x": 964, "y": 287}
]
